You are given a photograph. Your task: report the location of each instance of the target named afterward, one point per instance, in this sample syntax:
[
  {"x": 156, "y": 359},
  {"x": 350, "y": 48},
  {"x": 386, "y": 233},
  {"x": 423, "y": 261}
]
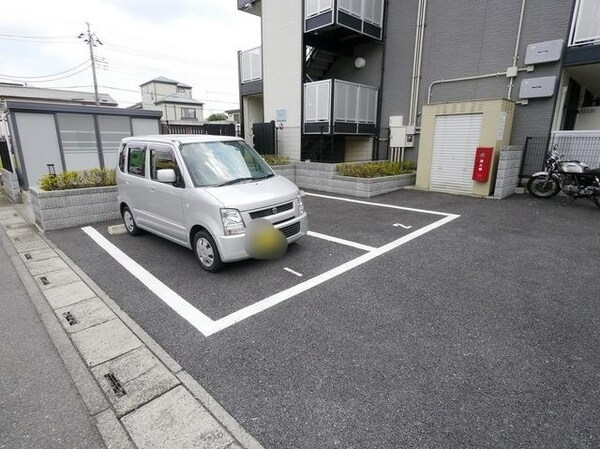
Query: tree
[{"x": 215, "y": 117}]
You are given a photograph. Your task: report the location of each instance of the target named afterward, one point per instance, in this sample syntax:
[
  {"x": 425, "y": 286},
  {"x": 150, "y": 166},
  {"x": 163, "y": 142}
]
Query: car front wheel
[{"x": 206, "y": 252}]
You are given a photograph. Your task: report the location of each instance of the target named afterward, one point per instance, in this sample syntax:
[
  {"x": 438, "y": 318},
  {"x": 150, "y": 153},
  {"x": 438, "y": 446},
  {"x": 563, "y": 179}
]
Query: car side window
[
  {"x": 122, "y": 158},
  {"x": 161, "y": 159},
  {"x": 136, "y": 164}
]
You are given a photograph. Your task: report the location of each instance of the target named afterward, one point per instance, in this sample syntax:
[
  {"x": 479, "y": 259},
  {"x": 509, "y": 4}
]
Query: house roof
[
  {"x": 165, "y": 80},
  {"x": 179, "y": 99},
  {"x": 10, "y": 91}
]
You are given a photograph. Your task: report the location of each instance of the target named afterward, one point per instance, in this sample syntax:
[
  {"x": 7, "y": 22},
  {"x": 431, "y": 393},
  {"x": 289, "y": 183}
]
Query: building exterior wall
[
  {"x": 282, "y": 69},
  {"x": 464, "y": 38},
  {"x": 343, "y": 67},
  {"x": 358, "y": 148}
]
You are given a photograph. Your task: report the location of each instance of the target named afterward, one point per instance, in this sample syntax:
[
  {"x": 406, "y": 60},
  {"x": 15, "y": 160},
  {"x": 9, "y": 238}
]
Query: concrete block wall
[
  {"x": 68, "y": 208},
  {"x": 322, "y": 177},
  {"x": 509, "y": 167},
  {"x": 11, "y": 187}
]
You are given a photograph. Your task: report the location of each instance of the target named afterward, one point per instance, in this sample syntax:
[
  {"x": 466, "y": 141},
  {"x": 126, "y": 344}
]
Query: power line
[
  {"x": 35, "y": 37},
  {"x": 44, "y": 76},
  {"x": 54, "y": 79}
]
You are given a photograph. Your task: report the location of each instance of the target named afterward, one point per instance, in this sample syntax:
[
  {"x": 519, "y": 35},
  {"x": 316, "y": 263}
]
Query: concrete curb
[
  {"x": 113, "y": 428},
  {"x": 110, "y": 429}
]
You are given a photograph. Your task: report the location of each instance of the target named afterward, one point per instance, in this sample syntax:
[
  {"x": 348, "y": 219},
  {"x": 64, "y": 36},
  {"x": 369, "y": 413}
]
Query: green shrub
[
  {"x": 94, "y": 177},
  {"x": 374, "y": 169},
  {"x": 275, "y": 159}
]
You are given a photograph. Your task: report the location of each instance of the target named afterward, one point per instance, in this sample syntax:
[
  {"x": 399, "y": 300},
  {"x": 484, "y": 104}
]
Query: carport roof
[{"x": 77, "y": 109}]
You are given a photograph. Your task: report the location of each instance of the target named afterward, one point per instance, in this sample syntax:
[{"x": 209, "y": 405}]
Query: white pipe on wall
[{"x": 517, "y": 43}]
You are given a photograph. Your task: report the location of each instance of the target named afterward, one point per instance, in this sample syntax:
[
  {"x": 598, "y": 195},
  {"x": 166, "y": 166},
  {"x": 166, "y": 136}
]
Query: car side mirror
[{"x": 166, "y": 175}]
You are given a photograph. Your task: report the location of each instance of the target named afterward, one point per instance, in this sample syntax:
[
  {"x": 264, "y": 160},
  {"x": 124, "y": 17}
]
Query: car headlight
[
  {"x": 300, "y": 203},
  {"x": 233, "y": 223}
]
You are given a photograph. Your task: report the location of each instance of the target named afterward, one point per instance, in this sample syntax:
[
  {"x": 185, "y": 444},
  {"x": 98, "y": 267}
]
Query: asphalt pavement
[{"x": 483, "y": 332}]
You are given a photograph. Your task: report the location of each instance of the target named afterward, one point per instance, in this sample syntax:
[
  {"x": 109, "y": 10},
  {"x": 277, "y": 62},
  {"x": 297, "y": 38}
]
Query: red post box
[{"x": 483, "y": 163}]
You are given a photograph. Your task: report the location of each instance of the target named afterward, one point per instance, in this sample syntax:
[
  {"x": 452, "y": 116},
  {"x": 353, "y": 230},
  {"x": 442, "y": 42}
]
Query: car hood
[{"x": 255, "y": 194}]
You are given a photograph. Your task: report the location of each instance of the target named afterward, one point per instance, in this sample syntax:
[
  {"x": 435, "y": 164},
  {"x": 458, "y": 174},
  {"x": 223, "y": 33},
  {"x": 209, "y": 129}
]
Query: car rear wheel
[
  {"x": 129, "y": 222},
  {"x": 206, "y": 252}
]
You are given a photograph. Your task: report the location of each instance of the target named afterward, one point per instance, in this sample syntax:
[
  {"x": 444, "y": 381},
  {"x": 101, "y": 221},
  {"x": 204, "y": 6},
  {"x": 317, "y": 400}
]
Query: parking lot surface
[{"x": 425, "y": 320}]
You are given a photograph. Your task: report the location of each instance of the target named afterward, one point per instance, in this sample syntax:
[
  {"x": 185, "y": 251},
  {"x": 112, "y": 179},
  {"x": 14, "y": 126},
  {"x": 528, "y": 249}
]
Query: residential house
[
  {"x": 180, "y": 112},
  {"x": 349, "y": 80}
]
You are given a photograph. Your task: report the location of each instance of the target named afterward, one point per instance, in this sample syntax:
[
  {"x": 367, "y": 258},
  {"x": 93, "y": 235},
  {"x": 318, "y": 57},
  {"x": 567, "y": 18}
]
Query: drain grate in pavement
[
  {"x": 28, "y": 256},
  {"x": 116, "y": 386},
  {"x": 70, "y": 318},
  {"x": 44, "y": 280}
]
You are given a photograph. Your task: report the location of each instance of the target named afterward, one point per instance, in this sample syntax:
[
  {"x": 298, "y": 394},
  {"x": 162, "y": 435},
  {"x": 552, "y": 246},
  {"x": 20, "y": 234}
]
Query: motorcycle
[{"x": 574, "y": 178}]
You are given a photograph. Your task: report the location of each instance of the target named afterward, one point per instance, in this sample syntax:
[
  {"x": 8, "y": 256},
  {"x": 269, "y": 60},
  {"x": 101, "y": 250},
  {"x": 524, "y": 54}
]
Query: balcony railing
[
  {"x": 362, "y": 16},
  {"x": 339, "y": 107},
  {"x": 585, "y": 28},
  {"x": 251, "y": 65}
]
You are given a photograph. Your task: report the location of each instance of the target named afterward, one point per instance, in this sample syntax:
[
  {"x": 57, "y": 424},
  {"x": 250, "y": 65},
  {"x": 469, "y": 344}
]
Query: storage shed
[{"x": 71, "y": 137}]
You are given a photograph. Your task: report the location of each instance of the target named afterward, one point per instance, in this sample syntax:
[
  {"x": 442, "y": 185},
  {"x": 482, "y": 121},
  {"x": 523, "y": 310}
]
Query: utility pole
[{"x": 92, "y": 40}]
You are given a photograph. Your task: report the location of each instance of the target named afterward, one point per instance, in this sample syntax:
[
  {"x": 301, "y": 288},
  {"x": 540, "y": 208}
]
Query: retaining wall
[
  {"x": 60, "y": 209},
  {"x": 321, "y": 176},
  {"x": 11, "y": 187}
]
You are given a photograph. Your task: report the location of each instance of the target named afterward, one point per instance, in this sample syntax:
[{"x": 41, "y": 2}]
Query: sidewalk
[
  {"x": 39, "y": 404},
  {"x": 129, "y": 393}
]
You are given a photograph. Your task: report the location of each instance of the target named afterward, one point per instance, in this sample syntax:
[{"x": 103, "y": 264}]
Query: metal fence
[{"x": 572, "y": 145}]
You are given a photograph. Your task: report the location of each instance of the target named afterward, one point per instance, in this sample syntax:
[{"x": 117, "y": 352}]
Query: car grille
[
  {"x": 291, "y": 230},
  {"x": 271, "y": 210}
]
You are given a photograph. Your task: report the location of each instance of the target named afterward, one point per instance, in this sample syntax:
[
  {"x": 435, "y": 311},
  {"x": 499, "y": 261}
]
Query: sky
[{"x": 191, "y": 41}]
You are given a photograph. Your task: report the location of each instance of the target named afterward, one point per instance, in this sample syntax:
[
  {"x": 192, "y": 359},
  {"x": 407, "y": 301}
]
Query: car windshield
[{"x": 223, "y": 163}]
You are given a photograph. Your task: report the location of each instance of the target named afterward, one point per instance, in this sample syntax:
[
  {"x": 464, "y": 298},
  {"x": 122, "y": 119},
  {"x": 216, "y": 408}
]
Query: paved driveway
[{"x": 442, "y": 321}]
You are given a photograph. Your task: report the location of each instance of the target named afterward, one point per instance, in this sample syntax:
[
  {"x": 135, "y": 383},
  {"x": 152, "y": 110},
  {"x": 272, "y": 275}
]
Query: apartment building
[{"x": 348, "y": 80}]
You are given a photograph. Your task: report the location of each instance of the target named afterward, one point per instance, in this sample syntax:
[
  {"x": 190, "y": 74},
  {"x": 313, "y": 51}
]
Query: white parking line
[
  {"x": 188, "y": 312},
  {"x": 206, "y": 325},
  {"x": 368, "y": 203},
  {"x": 277, "y": 298},
  {"x": 289, "y": 270},
  {"x": 341, "y": 241}
]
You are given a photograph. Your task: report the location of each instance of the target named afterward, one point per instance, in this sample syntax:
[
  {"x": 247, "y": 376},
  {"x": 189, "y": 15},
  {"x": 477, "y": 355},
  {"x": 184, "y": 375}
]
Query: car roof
[{"x": 180, "y": 138}]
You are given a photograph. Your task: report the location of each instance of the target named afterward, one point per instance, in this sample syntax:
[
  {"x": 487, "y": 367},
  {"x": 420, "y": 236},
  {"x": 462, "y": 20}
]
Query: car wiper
[
  {"x": 268, "y": 175},
  {"x": 235, "y": 181}
]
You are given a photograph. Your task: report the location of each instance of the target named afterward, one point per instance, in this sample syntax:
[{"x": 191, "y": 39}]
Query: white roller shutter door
[{"x": 455, "y": 139}]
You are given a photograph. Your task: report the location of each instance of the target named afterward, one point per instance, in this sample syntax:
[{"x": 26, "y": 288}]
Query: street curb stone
[{"x": 90, "y": 344}]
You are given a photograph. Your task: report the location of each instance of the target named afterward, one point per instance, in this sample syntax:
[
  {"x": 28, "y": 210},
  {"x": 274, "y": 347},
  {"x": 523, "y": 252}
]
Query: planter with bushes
[
  {"x": 365, "y": 179},
  {"x": 73, "y": 198}
]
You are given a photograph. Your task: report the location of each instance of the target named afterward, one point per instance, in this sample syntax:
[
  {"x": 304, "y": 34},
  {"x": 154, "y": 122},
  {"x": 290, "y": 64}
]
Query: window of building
[
  {"x": 137, "y": 161},
  {"x": 181, "y": 90},
  {"x": 189, "y": 113}
]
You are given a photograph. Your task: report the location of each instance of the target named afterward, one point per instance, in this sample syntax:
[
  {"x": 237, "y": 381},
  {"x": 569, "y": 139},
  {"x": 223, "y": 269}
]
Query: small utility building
[{"x": 70, "y": 137}]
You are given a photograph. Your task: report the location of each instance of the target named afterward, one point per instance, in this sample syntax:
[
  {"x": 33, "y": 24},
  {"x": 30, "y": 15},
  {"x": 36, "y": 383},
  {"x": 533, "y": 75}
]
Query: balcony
[
  {"x": 364, "y": 17},
  {"x": 250, "y": 63},
  {"x": 585, "y": 29},
  {"x": 339, "y": 107}
]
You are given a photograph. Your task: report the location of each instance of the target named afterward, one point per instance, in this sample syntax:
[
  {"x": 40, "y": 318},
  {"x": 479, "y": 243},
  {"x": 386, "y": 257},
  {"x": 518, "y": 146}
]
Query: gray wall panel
[{"x": 466, "y": 38}]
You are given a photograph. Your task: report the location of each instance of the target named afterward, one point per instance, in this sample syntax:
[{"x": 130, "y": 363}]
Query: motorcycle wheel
[{"x": 543, "y": 187}]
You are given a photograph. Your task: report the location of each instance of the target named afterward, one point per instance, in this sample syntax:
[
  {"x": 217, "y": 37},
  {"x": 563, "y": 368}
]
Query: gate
[{"x": 265, "y": 138}]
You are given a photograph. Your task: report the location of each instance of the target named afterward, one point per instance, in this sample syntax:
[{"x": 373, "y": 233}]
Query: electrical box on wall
[
  {"x": 541, "y": 52},
  {"x": 401, "y": 136},
  {"x": 537, "y": 87}
]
